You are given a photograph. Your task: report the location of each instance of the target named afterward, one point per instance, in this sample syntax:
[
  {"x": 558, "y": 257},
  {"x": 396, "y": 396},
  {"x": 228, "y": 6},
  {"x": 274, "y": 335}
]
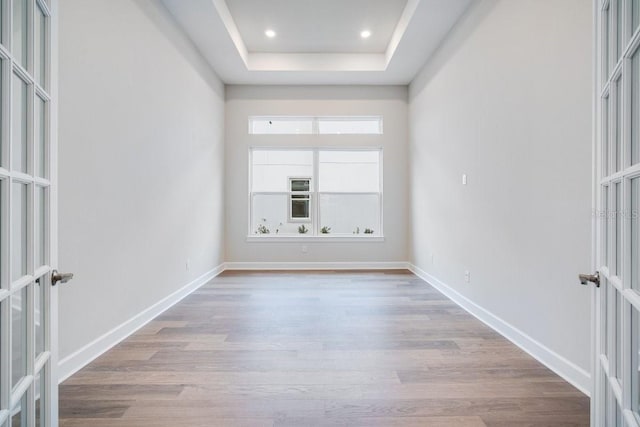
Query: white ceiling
[
  {"x": 317, "y": 41},
  {"x": 301, "y": 25}
]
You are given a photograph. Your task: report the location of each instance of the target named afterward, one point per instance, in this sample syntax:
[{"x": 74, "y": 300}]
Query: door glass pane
[
  {"x": 635, "y": 359},
  {"x": 616, "y": 149},
  {"x": 40, "y": 391},
  {"x": 617, "y": 236},
  {"x": 20, "y": 31},
  {"x": 606, "y": 54},
  {"x": 40, "y": 46},
  {"x": 604, "y": 319},
  {"x": 619, "y": 46},
  {"x": 19, "y": 125},
  {"x": 607, "y": 403},
  {"x": 3, "y": 238},
  {"x": 606, "y": 135},
  {"x": 40, "y": 224},
  {"x": 635, "y": 14},
  {"x": 18, "y": 336},
  {"x": 635, "y": 234},
  {"x": 19, "y": 419},
  {"x": 19, "y": 231},
  {"x": 40, "y": 135},
  {"x": 618, "y": 416},
  {"x": 635, "y": 107},
  {"x": 611, "y": 325},
  {"x": 39, "y": 313},
  {"x": 604, "y": 233},
  {"x": 3, "y": 161},
  {"x": 618, "y": 335},
  {"x": 4, "y": 306}
]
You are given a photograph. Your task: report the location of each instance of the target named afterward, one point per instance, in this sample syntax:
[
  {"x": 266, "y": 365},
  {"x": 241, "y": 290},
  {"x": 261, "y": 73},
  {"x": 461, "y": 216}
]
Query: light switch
[{"x": 464, "y": 179}]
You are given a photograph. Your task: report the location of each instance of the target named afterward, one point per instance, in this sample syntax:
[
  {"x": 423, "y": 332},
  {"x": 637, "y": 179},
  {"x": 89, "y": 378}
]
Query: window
[
  {"x": 349, "y": 125},
  {"x": 280, "y": 125},
  {"x": 345, "y": 125},
  {"x": 300, "y": 200},
  {"x": 316, "y": 192}
]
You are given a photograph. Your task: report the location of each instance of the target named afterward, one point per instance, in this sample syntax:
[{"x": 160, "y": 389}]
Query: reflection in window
[{"x": 316, "y": 192}]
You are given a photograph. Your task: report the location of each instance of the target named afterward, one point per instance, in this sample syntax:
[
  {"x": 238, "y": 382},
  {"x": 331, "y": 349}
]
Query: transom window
[
  {"x": 315, "y": 192},
  {"x": 302, "y": 125}
]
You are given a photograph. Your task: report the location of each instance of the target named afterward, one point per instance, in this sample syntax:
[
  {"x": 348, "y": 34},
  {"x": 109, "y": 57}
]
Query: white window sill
[{"x": 319, "y": 239}]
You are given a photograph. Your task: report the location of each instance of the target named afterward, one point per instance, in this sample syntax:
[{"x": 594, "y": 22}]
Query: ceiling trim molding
[
  {"x": 232, "y": 29},
  {"x": 401, "y": 28},
  {"x": 317, "y": 62},
  {"x": 258, "y": 61},
  {"x": 421, "y": 27}
]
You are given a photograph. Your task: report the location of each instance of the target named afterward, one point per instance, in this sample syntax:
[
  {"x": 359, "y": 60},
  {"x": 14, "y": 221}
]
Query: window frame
[{"x": 314, "y": 196}]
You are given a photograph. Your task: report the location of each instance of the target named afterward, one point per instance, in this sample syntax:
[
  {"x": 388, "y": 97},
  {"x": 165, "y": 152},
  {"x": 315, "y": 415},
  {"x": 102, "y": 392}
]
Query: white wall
[
  {"x": 141, "y": 164},
  {"x": 387, "y": 101},
  {"x": 507, "y": 101}
]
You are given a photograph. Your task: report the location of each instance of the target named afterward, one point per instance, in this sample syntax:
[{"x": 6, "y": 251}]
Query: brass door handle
[
  {"x": 593, "y": 278},
  {"x": 60, "y": 277}
]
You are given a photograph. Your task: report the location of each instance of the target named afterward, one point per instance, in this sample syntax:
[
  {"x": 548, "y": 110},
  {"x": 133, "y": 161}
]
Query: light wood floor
[{"x": 318, "y": 349}]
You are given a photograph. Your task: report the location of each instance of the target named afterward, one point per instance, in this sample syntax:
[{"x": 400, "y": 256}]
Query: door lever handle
[
  {"x": 60, "y": 277},
  {"x": 593, "y": 278}
]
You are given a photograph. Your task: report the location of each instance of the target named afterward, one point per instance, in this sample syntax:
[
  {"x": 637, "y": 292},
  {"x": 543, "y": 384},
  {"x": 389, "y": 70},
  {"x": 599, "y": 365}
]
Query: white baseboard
[
  {"x": 79, "y": 359},
  {"x": 572, "y": 373},
  {"x": 393, "y": 265}
]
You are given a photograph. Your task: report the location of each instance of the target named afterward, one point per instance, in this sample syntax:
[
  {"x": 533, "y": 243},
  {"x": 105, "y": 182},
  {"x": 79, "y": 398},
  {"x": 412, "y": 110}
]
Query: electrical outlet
[
  {"x": 467, "y": 276},
  {"x": 305, "y": 249}
]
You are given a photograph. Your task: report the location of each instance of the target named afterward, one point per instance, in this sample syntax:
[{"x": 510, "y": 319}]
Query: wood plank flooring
[{"x": 312, "y": 349}]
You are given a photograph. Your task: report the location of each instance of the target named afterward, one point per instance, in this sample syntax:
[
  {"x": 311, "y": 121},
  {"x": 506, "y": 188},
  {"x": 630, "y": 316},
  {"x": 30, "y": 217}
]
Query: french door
[
  {"x": 616, "y": 396},
  {"x": 28, "y": 384}
]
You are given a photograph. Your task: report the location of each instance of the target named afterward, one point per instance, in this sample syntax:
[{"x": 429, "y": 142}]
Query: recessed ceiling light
[
  {"x": 270, "y": 33},
  {"x": 365, "y": 34}
]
